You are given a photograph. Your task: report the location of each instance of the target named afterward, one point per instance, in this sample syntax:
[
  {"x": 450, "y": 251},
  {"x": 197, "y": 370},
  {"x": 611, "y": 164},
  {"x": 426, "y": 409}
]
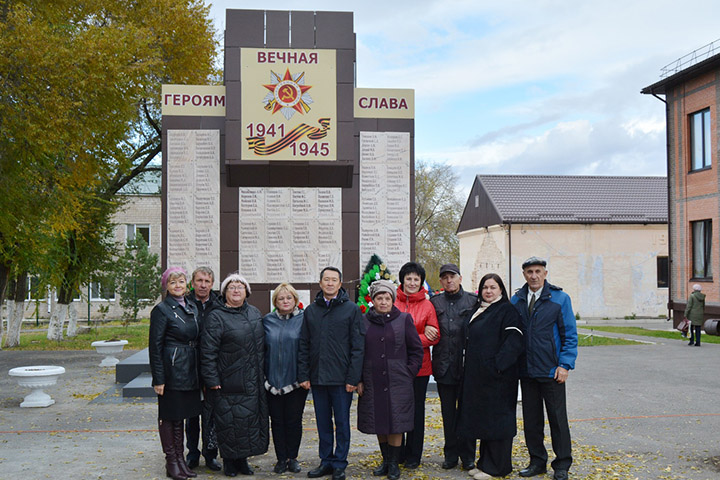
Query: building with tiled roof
[{"x": 604, "y": 237}]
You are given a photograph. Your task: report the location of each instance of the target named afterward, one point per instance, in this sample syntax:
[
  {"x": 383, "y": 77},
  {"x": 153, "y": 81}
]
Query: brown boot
[
  {"x": 172, "y": 468},
  {"x": 179, "y": 436}
]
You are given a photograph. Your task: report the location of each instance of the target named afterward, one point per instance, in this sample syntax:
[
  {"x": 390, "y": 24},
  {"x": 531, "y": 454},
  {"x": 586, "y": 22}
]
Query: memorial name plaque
[
  {"x": 385, "y": 197},
  {"x": 289, "y": 234},
  {"x": 193, "y": 199}
]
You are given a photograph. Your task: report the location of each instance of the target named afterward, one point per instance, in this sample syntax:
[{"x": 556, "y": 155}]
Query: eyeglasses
[{"x": 236, "y": 288}]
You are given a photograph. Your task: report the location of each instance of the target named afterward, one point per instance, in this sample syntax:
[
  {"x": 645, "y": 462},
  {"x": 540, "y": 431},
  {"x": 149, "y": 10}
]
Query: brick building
[{"x": 691, "y": 90}]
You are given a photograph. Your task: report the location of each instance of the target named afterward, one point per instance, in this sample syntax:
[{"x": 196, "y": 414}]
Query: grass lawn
[
  {"x": 672, "y": 335},
  {"x": 594, "y": 341},
  {"x": 136, "y": 335}
]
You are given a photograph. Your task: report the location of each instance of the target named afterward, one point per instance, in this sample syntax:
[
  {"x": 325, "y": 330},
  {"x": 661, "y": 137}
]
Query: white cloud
[
  {"x": 572, "y": 148},
  {"x": 549, "y": 86}
]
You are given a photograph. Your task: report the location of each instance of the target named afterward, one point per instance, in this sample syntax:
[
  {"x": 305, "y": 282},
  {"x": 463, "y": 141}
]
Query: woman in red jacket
[{"x": 413, "y": 299}]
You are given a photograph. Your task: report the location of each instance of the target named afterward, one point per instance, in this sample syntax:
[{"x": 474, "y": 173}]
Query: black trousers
[
  {"x": 535, "y": 392},
  {"x": 192, "y": 434},
  {"x": 455, "y": 446},
  {"x": 695, "y": 334},
  {"x": 286, "y": 413},
  {"x": 495, "y": 457},
  {"x": 415, "y": 439}
]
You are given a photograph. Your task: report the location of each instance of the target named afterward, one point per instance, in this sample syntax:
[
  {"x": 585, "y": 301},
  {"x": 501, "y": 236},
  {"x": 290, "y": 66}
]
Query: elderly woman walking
[
  {"x": 695, "y": 312},
  {"x": 172, "y": 347},
  {"x": 393, "y": 356},
  {"x": 232, "y": 367}
]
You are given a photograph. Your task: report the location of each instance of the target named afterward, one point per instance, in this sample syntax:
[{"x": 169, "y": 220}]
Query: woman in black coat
[
  {"x": 393, "y": 356},
  {"x": 232, "y": 367},
  {"x": 494, "y": 343},
  {"x": 173, "y": 351}
]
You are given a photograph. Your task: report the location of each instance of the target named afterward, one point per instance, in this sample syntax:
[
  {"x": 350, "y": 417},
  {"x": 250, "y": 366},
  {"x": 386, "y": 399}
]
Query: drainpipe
[
  {"x": 509, "y": 258},
  {"x": 669, "y": 219}
]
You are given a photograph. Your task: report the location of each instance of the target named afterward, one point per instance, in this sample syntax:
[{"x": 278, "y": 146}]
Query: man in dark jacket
[
  {"x": 330, "y": 359},
  {"x": 551, "y": 349},
  {"x": 204, "y": 297},
  {"x": 451, "y": 307}
]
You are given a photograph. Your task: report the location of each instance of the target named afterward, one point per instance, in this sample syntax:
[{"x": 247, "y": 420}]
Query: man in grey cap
[
  {"x": 551, "y": 349},
  {"x": 451, "y": 307}
]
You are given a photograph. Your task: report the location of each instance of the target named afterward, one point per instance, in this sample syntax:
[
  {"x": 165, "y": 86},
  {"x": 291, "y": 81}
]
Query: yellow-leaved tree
[{"x": 80, "y": 116}]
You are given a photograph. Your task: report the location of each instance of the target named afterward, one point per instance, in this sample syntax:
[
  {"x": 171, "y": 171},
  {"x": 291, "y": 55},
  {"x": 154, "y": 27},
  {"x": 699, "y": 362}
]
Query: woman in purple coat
[{"x": 393, "y": 356}]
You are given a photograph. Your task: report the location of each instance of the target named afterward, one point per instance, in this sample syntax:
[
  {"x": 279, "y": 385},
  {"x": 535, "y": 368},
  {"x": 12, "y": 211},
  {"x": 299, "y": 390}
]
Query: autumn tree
[
  {"x": 81, "y": 88},
  {"x": 438, "y": 209}
]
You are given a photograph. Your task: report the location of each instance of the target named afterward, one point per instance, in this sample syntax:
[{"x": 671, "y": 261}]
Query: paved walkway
[{"x": 637, "y": 412}]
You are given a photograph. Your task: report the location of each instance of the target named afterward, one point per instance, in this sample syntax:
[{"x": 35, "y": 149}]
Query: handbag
[{"x": 684, "y": 325}]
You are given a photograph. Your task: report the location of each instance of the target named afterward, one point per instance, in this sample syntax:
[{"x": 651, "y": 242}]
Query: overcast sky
[{"x": 525, "y": 87}]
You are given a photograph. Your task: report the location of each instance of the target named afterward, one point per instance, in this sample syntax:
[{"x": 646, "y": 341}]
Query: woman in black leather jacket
[{"x": 174, "y": 362}]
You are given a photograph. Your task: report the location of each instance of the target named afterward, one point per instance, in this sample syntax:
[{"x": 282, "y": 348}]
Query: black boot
[
  {"x": 179, "y": 437},
  {"x": 229, "y": 467},
  {"x": 383, "y": 468},
  {"x": 167, "y": 439},
  {"x": 293, "y": 465},
  {"x": 210, "y": 455},
  {"x": 393, "y": 469},
  {"x": 242, "y": 465}
]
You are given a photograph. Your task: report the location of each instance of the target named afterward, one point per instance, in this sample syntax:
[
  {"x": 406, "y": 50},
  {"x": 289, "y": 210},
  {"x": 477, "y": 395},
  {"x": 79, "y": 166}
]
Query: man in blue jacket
[
  {"x": 330, "y": 359},
  {"x": 551, "y": 349}
]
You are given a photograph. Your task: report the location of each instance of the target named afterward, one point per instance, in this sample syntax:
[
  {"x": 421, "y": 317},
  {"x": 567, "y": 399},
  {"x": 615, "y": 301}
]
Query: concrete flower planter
[
  {"x": 37, "y": 378},
  {"x": 109, "y": 348}
]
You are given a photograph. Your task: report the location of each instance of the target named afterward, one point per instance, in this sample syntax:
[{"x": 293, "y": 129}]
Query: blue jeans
[{"x": 333, "y": 401}]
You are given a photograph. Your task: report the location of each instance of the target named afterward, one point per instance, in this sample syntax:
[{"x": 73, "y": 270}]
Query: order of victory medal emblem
[{"x": 288, "y": 94}]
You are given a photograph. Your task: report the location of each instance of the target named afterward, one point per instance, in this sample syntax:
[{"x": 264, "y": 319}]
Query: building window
[
  {"x": 35, "y": 289},
  {"x": 663, "y": 272},
  {"x": 700, "y": 150},
  {"x": 134, "y": 230},
  {"x": 102, "y": 290},
  {"x": 702, "y": 246}
]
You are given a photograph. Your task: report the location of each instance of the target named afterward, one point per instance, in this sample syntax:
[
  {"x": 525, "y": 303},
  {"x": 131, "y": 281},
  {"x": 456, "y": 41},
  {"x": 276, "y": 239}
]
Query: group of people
[
  {"x": 217, "y": 355},
  {"x": 207, "y": 355}
]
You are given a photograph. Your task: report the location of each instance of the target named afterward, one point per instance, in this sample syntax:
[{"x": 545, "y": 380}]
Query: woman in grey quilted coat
[{"x": 232, "y": 366}]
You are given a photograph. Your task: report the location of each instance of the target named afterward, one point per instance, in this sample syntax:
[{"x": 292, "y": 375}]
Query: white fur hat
[{"x": 234, "y": 277}]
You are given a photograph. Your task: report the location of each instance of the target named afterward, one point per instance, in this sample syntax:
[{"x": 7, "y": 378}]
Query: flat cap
[
  {"x": 449, "y": 268},
  {"x": 534, "y": 261}
]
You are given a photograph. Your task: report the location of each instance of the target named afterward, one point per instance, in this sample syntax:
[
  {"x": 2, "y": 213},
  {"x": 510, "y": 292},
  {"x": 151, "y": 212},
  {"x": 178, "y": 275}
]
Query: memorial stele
[{"x": 288, "y": 167}]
